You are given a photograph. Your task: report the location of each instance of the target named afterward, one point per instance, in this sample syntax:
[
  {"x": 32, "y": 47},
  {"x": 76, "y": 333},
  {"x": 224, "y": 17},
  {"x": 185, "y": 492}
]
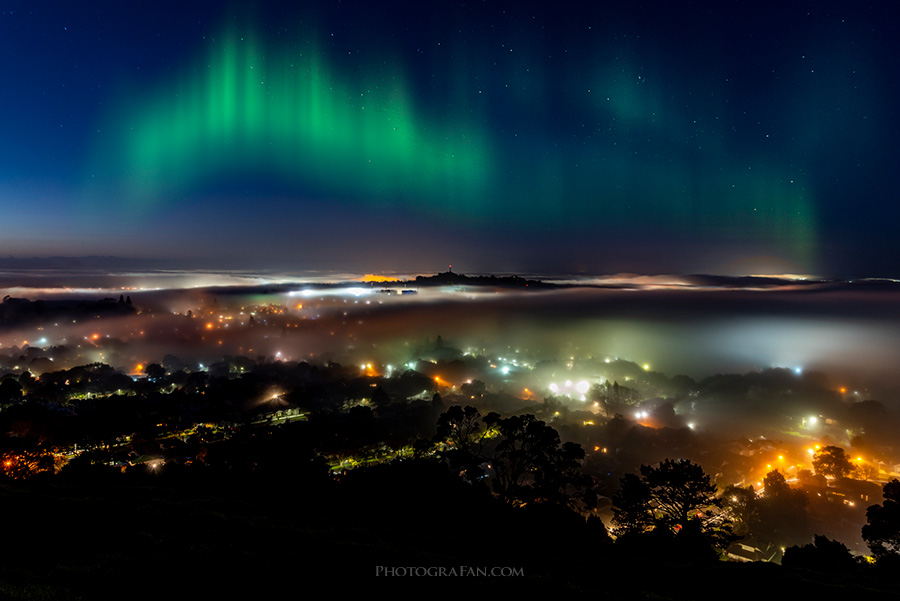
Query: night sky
[{"x": 543, "y": 137}]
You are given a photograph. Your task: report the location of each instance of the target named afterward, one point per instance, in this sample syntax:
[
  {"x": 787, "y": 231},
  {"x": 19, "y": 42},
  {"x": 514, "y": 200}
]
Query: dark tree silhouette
[
  {"x": 155, "y": 371},
  {"x": 612, "y": 397},
  {"x": 775, "y": 486},
  {"x": 882, "y": 529},
  {"x": 632, "y": 506},
  {"x": 380, "y": 398},
  {"x": 743, "y": 507},
  {"x": 465, "y": 434},
  {"x": 822, "y": 555},
  {"x": 782, "y": 512},
  {"x": 832, "y": 461},
  {"x": 530, "y": 464},
  {"x": 10, "y": 390},
  {"x": 682, "y": 492},
  {"x": 675, "y": 496}
]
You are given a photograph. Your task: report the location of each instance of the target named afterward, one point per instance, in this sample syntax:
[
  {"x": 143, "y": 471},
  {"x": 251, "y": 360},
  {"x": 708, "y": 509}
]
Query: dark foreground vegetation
[
  {"x": 267, "y": 518},
  {"x": 193, "y": 533},
  {"x": 266, "y": 479}
]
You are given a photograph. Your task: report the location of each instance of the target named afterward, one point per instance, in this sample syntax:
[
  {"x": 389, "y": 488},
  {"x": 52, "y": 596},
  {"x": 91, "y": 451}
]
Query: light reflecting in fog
[{"x": 697, "y": 330}]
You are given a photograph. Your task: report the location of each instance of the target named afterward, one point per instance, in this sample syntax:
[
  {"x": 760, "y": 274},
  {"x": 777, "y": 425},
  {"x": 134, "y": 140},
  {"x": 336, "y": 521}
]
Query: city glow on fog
[{"x": 695, "y": 332}]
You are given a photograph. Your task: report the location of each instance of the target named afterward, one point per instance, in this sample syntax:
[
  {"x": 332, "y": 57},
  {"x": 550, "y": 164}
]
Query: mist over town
[{"x": 592, "y": 298}]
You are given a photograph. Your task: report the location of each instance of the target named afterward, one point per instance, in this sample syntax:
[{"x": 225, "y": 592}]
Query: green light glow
[
  {"x": 629, "y": 154},
  {"x": 293, "y": 116},
  {"x": 678, "y": 170}
]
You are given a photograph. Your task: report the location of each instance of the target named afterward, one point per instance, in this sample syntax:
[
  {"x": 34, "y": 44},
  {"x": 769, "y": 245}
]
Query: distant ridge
[{"x": 448, "y": 278}]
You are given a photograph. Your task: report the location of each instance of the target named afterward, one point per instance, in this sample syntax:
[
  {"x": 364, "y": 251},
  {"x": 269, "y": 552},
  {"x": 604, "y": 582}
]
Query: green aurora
[
  {"x": 294, "y": 116},
  {"x": 246, "y": 107}
]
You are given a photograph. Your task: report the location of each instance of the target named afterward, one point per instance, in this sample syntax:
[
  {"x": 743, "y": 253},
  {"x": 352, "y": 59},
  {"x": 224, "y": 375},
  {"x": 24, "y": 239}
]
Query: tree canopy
[
  {"x": 612, "y": 397},
  {"x": 882, "y": 529},
  {"x": 465, "y": 433},
  {"x": 823, "y": 555},
  {"x": 530, "y": 464},
  {"x": 832, "y": 461},
  {"x": 743, "y": 507},
  {"x": 675, "y": 496},
  {"x": 783, "y": 518}
]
